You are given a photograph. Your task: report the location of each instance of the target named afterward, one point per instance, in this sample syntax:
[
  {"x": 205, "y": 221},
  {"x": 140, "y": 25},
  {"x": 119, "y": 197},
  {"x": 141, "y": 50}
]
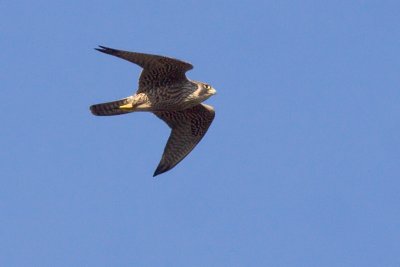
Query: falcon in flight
[{"x": 165, "y": 91}]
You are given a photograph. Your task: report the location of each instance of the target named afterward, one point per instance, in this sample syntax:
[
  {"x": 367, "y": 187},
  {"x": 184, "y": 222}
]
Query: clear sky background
[{"x": 301, "y": 166}]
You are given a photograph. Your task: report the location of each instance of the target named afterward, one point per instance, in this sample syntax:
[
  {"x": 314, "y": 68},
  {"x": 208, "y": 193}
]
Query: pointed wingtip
[
  {"x": 161, "y": 169},
  {"x": 157, "y": 172},
  {"x": 103, "y": 49}
]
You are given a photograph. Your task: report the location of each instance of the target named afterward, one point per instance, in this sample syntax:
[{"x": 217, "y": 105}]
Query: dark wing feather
[
  {"x": 188, "y": 127},
  {"x": 157, "y": 70}
]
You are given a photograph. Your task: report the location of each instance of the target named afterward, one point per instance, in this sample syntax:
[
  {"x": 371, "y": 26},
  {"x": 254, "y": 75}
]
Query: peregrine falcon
[{"x": 165, "y": 91}]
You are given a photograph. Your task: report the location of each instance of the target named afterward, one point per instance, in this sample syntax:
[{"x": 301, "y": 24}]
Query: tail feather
[{"x": 110, "y": 108}]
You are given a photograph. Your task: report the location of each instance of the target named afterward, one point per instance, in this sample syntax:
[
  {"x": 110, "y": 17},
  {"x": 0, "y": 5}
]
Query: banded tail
[{"x": 111, "y": 108}]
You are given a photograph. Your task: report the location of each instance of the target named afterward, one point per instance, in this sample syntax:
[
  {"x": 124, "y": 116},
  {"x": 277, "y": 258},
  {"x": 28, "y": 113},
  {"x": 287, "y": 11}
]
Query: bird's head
[
  {"x": 206, "y": 90},
  {"x": 202, "y": 92}
]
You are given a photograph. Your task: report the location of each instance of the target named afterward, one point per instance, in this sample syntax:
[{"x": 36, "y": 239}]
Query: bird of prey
[{"x": 165, "y": 91}]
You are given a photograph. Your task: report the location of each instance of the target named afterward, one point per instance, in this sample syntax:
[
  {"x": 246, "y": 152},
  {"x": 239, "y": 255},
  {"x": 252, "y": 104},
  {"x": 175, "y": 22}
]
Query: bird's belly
[
  {"x": 165, "y": 100},
  {"x": 173, "y": 106}
]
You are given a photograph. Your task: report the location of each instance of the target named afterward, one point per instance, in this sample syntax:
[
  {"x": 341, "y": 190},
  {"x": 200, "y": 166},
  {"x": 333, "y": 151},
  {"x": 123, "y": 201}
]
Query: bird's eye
[{"x": 207, "y": 86}]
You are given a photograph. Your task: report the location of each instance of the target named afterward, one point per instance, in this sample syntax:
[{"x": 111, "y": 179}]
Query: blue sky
[{"x": 300, "y": 167}]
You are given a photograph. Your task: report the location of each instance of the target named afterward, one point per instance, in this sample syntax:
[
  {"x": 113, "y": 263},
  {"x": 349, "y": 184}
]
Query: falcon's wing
[
  {"x": 188, "y": 128},
  {"x": 157, "y": 70}
]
